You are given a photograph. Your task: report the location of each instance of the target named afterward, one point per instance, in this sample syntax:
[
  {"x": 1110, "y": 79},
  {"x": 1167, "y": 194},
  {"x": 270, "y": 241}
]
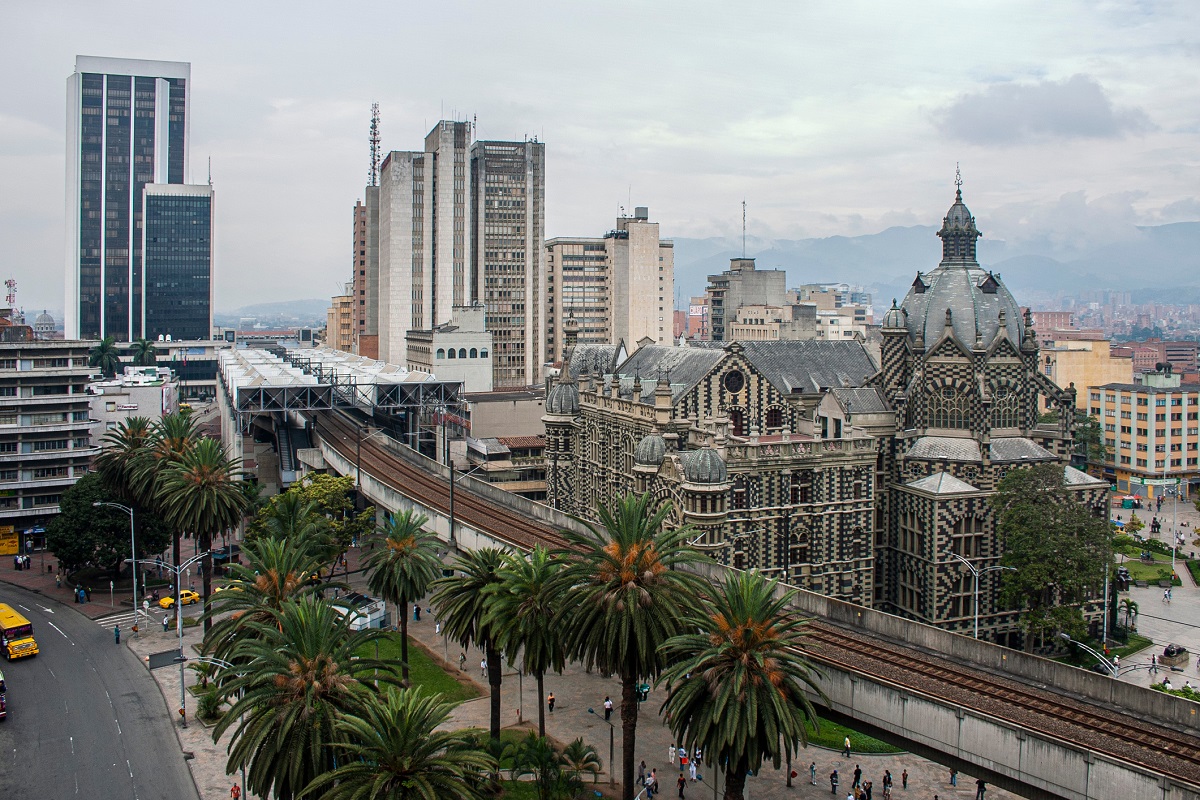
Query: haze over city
[{"x": 1073, "y": 122}]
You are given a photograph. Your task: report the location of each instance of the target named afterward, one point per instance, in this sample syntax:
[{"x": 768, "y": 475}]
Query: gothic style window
[
  {"x": 1005, "y": 408},
  {"x": 737, "y": 422},
  {"x": 774, "y": 417},
  {"x": 947, "y": 407}
]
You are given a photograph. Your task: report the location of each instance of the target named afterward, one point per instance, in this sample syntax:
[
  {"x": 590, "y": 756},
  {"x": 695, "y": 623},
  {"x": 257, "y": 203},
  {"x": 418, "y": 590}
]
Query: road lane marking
[
  {"x": 68, "y": 638},
  {"x": 52, "y": 675},
  {"x": 119, "y": 730},
  {"x": 47, "y": 610},
  {"x": 129, "y": 767},
  {"x": 72, "y": 745},
  {"x": 24, "y": 607}
]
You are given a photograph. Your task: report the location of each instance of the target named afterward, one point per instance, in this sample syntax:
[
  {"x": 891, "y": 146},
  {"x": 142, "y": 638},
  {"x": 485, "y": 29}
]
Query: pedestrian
[
  {"x": 165, "y": 621},
  {"x": 1167, "y": 684},
  {"x": 866, "y": 790},
  {"x": 608, "y": 707},
  {"x": 682, "y": 784},
  {"x": 642, "y": 773},
  {"x": 58, "y": 581},
  {"x": 671, "y": 754},
  {"x": 904, "y": 778},
  {"x": 1154, "y": 664},
  {"x": 812, "y": 773},
  {"x": 652, "y": 783},
  {"x": 17, "y": 563},
  {"x": 87, "y": 590},
  {"x": 980, "y": 789},
  {"x": 483, "y": 668},
  {"x": 416, "y": 612},
  {"x": 683, "y": 758},
  {"x": 1166, "y": 595},
  {"x": 437, "y": 629},
  {"x": 692, "y": 770},
  {"x": 887, "y": 779},
  {"x": 954, "y": 777},
  {"x": 117, "y": 634},
  {"x": 833, "y": 782},
  {"x": 699, "y": 759},
  {"x": 846, "y": 748},
  {"x": 857, "y": 776},
  {"x": 235, "y": 792},
  {"x": 462, "y": 662},
  {"x": 1116, "y": 661},
  {"x": 550, "y": 702}
]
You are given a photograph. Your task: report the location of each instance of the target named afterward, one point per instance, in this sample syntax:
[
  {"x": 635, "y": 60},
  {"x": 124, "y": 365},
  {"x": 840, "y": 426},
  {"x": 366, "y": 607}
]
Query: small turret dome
[
  {"x": 650, "y": 450},
  {"x": 894, "y": 318},
  {"x": 563, "y": 398},
  {"x": 704, "y": 466}
]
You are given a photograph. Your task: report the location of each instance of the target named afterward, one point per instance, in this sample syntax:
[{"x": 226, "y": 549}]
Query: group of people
[
  {"x": 21, "y": 562},
  {"x": 688, "y": 762},
  {"x": 859, "y": 789}
]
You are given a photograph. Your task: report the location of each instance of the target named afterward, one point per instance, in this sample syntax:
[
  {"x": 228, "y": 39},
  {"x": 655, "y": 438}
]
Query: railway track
[{"x": 1075, "y": 722}]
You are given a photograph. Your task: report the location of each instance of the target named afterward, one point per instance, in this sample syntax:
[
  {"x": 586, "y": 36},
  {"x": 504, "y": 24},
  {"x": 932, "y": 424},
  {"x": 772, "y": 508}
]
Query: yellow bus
[{"x": 16, "y": 634}]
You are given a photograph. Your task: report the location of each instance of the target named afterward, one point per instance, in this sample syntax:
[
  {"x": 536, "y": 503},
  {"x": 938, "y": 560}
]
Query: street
[{"x": 85, "y": 718}]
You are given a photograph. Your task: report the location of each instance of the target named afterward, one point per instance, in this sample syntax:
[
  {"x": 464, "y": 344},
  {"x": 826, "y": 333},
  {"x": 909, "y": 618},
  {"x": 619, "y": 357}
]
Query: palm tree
[
  {"x": 579, "y": 758},
  {"x": 105, "y": 357},
  {"x": 1130, "y": 607},
  {"x": 289, "y": 516},
  {"x": 522, "y": 606},
  {"x": 298, "y": 677},
  {"x": 143, "y": 352},
  {"x": 171, "y": 438},
  {"x": 462, "y": 602},
  {"x": 621, "y": 598},
  {"x": 200, "y": 495},
  {"x": 737, "y": 686},
  {"x": 125, "y": 448},
  {"x": 395, "y": 752},
  {"x": 401, "y": 570},
  {"x": 276, "y": 572}
]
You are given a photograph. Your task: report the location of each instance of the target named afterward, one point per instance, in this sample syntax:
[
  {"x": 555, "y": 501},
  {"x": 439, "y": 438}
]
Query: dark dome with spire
[{"x": 977, "y": 300}]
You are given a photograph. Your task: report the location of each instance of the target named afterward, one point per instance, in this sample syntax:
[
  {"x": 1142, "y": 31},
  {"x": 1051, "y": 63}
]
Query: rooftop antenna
[
  {"x": 210, "y": 172},
  {"x": 11, "y": 297},
  {"x": 743, "y": 227},
  {"x": 957, "y": 181},
  {"x": 373, "y": 175}
]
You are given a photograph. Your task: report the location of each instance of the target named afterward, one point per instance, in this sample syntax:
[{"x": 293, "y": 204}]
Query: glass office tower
[
  {"x": 177, "y": 248},
  {"x": 127, "y": 127}
]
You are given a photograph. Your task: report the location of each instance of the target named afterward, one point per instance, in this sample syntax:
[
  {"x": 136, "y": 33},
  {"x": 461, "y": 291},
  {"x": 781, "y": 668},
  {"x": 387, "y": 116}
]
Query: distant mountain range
[{"x": 1156, "y": 263}]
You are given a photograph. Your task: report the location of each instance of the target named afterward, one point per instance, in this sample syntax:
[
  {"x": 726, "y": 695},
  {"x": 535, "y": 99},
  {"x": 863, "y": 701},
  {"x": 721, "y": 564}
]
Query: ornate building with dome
[{"x": 806, "y": 459}]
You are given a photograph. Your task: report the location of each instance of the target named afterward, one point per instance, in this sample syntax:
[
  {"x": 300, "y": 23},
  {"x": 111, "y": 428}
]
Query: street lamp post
[
  {"x": 176, "y": 570},
  {"x": 612, "y": 730},
  {"x": 1112, "y": 669},
  {"x": 132, "y": 556},
  {"x": 976, "y": 572}
]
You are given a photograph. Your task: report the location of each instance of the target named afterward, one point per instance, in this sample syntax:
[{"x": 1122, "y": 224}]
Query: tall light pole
[
  {"x": 176, "y": 570},
  {"x": 975, "y": 571},
  {"x": 612, "y": 730},
  {"x": 1112, "y": 668},
  {"x": 226, "y": 665},
  {"x": 132, "y": 556}
]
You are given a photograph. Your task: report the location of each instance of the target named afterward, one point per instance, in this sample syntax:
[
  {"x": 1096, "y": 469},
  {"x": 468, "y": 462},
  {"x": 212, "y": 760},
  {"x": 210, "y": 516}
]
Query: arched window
[
  {"x": 774, "y": 417},
  {"x": 462, "y": 352},
  {"x": 1005, "y": 407},
  {"x": 737, "y": 422},
  {"x": 483, "y": 353},
  {"x": 441, "y": 353},
  {"x": 474, "y": 353},
  {"x": 947, "y": 407},
  {"x": 452, "y": 355}
]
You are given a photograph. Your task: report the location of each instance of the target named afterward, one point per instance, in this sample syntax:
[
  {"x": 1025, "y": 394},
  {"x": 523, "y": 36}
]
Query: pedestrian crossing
[{"x": 125, "y": 620}]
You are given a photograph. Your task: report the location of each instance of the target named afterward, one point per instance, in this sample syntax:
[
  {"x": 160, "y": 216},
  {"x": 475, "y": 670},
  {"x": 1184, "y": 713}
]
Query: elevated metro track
[{"x": 1170, "y": 754}]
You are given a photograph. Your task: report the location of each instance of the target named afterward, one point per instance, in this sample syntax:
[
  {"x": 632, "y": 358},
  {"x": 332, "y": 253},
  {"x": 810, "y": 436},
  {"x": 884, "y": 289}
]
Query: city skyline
[{"x": 824, "y": 119}]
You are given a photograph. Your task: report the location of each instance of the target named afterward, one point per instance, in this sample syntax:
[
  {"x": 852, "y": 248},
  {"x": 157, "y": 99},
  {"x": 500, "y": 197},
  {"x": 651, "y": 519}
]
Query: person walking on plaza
[
  {"x": 235, "y": 792},
  {"x": 812, "y": 773},
  {"x": 1154, "y": 664},
  {"x": 483, "y": 668},
  {"x": 833, "y": 782},
  {"x": 692, "y": 770},
  {"x": 550, "y": 702},
  {"x": 117, "y": 634},
  {"x": 165, "y": 623},
  {"x": 416, "y": 612},
  {"x": 954, "y": 777},
  {"x": 980, "y": 789},
  {"x": 671, "y": 754},
  {"x": 608, "y": 708},
  {"x": 857, "y": 777},
  {"x": 682, "y": 784},
  {"x": 652, "y": 783},
  {"x": 904, "y": 778},
  {"x": 462, "y": 661},
  {"x": 642, "y": 773},
  {"x": 846, "y": 748},
  {"x": 683, "y": 759}
]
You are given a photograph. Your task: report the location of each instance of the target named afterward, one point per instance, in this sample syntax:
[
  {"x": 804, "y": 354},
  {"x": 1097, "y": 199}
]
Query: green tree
[
  {"x": 394, "y": 751},
  {"x": 1135, "y": 524},
  {"x": 171, "y": 438},
  {"x": 1089, "y": 438},
  {"x": 621, "y": 598},
  {"x": 1059, "y": 549},
  {"x": 401, "y": 568},
  {"x": 105, "y": 357},
  {"x": 125, "y": 447},
  {"x": 1130, "y": 607},
  {"x": 522, "y": 605},
  {"x": 298, "y": 679},
  {"x": 737, "y": 686},
  {"x": 461, "y": 602},
  {"x": 276, "y": 572},
  {"x": 292, "y": 517},
  {"x": 332, "y": 500},
  {"x": 536, "y": 757},
  {"x": 144, "y": 353},
  {"x": 579, "y": 758},
  {"x": 82, "y": 535},
  {"x": 200, "y": 496}
]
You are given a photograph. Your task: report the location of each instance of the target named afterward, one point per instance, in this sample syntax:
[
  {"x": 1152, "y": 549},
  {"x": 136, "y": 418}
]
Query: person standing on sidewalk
[
  {"x": 608, "y": 708},
  {"x": 812, "y": 773},
  {"x": 117, "y": 634},
  {"x": 642, "y": 773},
  {"x": 833, "y": 782},
  {"x": 671, "y": 754},
  {"x": 550, "y": 702},
  {"x": 846, "y": 748},
  {"x": 682, "y": 784},
  {"x": 904, "y": 778}
]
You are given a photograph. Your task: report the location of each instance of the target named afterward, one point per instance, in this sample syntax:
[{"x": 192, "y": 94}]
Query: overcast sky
[{"x": 1072, "y": 120}]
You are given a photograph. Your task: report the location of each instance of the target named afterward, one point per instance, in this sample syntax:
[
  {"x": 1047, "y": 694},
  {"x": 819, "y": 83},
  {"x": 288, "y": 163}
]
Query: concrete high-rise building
[
  {"x": 460, "y": 223},
  {"x": 366, "y": 274},
  {"x": 740, "y": 285},
  {"x": 127, "y": 127},
  {"x": 508, "y": 191},
  {"x": 177, "y": 247},
  {"x": 339, "y": 321},
  {"x": 617, "y": 288}
]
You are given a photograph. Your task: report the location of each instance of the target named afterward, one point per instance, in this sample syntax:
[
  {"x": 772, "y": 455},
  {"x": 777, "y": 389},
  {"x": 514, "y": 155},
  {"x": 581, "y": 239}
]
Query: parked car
[{"x": 186, "y": 598}]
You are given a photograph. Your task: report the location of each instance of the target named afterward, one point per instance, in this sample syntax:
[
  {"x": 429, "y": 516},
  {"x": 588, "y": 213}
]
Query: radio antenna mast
[
  {"x": 373, "y": 176},
  {"x": 743, "y": 227}
]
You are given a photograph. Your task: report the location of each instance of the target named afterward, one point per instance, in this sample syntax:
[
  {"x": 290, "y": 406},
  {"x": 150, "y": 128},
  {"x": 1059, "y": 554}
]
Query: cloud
[{"x": 1016, "y": 113}]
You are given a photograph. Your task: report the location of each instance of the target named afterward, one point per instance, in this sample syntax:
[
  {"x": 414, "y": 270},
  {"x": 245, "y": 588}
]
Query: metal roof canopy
[{"x": 369, "y": 384}]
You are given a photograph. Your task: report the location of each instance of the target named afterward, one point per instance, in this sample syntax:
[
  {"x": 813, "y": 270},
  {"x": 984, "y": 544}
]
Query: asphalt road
[{"x": 85, "y": 719}]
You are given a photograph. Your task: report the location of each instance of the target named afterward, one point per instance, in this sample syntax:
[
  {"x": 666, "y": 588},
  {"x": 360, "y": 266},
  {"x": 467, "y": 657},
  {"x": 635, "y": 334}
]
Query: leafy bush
[{"x": 208, "y": 707}]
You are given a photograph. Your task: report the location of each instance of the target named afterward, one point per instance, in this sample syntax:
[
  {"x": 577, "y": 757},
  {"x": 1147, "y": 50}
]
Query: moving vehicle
[
  {"x": 16, "y": 634},
  {"x": 186, "y": 598}
]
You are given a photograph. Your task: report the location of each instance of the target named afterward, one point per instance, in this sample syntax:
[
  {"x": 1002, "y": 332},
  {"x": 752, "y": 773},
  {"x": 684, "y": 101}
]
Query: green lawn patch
[
  {"x": 1158, "y": 571},
  {"x": 832, "y": 735},
  {"x": 423, "y": 671},
  {"x": 1194, "y": 568},
  {"x": 1081, "y": 658}
]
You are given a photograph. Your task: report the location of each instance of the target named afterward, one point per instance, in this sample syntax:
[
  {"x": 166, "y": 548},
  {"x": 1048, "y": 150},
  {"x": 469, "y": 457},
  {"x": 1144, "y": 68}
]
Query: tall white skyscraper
[{"x": 127, "y": 128}]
